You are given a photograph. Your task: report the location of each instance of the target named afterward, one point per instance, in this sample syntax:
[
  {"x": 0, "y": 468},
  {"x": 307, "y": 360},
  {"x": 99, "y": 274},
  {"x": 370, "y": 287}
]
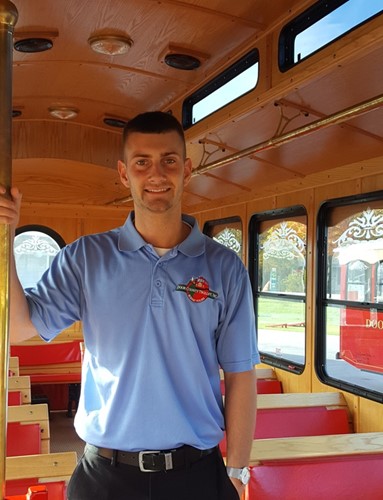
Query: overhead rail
[{"x": 334, "y": 119}]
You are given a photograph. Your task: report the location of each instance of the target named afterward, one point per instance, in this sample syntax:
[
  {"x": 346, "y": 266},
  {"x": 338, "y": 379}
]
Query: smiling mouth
[{"x": 157, "y": 190}]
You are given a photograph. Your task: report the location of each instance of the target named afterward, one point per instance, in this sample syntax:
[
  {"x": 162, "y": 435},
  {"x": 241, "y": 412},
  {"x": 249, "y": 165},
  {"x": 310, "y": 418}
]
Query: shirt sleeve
[
  {"x": 55, "y": 301},
  {"x": 237, "y": 345}
]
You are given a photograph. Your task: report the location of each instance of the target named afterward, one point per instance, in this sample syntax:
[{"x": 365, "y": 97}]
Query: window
[
  {"x": 228, "y": 232},
  {"x": 278, "y": 273},
  {"x": 34, "y": 249},
  {"x": 234, "y": 82},
  {"x": 321, "y": 24},
  {"x": 350, "y": 300}
]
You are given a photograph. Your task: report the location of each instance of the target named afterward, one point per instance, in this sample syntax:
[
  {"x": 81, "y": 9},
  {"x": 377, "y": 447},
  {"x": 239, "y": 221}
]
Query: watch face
[{"x": 245, "y": 475}]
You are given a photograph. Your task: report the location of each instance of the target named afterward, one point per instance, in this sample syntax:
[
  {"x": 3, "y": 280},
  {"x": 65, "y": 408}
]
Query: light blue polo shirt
[{"x": 156, "y": 330}]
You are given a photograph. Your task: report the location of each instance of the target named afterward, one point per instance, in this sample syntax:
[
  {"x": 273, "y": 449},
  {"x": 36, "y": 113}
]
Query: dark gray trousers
[{"x": 95, "y": 478}]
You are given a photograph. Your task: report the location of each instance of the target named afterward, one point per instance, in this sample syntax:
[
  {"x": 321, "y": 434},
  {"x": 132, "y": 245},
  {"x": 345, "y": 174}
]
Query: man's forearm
[{"x": 240, "y": 415}]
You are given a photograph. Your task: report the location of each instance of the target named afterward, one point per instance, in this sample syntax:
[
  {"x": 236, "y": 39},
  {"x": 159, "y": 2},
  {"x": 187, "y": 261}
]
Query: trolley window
[
  {"x": 278, "y": 274},
  {"x": 34, "y": 248},
  {"x": 227, "y": 231},
  {"x": 235, "y": 81},
  {"x": 321, "y": 24},
  {"x": 350, "y": 301}
]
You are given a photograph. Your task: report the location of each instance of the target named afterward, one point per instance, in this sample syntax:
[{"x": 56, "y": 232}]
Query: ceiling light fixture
[
  {"x": 111, "y": 45},
  {"x": 63, "y": 112}
]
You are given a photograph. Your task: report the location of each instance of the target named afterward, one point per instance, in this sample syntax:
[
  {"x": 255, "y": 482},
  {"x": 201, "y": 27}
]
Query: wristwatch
[{"x": 242, "y": 474}]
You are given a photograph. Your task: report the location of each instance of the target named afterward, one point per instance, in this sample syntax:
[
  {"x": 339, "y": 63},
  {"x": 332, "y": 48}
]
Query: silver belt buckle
[{"x": 168, "y": 460}]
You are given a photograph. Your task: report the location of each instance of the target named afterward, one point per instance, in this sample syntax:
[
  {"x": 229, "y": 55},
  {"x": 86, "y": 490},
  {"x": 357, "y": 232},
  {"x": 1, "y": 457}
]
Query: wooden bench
[
  {"x": 50, "y": 363},
  {"x": 13, "y": 369},
  {"x": 267, "y": 382},
  {"x": 21, "y": 385},
  {"x": 33, "y": 414},
  {"x": 55, "y": 371},
  {"x": 38, "y": 492},
  {"x": 346, "y": 466},
  {"x": 48, "y": 473},
  {"x": 23, "y": 439},
  {"x": 300, "y": 414}
]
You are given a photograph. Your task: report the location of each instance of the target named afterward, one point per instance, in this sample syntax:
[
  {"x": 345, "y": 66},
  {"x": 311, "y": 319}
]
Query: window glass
[
  {"x": 282, "y": 257},
  {"x": 232, "y": 83},
  {"x": 239, "y": 85},
  {"x": 228, "y": 232},
  {"x": 278, "y": 273},
  {"x": 320, "y": 25},
  {"x": 34, "y": 251},
  {"x": 351, "y": 305}
]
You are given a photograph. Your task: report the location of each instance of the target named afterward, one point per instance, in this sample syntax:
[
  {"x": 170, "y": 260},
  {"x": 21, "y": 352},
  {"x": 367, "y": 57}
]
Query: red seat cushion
[
  {"x": 23, "y": 439},
  {"x": 14, "y": 398},
  {"x": 290, "y": 422},
  {"x": 340, "y": 478},
  {"x": 56, "y": 490}
]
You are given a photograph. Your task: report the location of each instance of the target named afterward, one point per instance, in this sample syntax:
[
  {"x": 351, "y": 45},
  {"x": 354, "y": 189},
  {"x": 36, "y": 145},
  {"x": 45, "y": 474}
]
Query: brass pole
[{"x": 8, "y": 19}]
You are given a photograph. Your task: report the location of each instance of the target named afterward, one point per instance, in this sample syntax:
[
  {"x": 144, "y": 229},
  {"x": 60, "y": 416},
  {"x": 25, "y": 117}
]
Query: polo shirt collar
[{"x": 130, "y": 240}]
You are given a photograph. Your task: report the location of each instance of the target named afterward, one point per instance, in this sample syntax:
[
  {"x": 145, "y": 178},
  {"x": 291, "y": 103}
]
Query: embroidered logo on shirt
[{"x": 197, "y": 290}]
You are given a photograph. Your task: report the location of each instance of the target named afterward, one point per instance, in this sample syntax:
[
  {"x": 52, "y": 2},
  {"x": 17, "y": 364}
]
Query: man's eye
[
  {"x": 170, "y": 161},
  {"x": 141, "y": 163}
]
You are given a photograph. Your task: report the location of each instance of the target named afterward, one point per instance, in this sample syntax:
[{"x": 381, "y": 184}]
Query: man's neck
[{"x": 161, "y": 230}]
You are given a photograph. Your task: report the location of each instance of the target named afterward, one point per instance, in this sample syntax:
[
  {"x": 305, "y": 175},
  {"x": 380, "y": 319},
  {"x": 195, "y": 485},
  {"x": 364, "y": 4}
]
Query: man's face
[{"x": 155, "y": 170}]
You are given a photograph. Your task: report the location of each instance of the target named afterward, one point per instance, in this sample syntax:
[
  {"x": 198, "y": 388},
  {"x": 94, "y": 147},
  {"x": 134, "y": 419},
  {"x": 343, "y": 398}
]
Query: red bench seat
[
  {"x": 356, "y": 477},
  {"x": 23, "y": 439},
  {"x": 55, "y": 490},
  {"x": 45, "y": 363},
  {"x": 300, "y": 421}
]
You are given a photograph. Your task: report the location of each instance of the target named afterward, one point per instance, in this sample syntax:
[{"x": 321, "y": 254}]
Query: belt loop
[{"x": 113, "y": 461}]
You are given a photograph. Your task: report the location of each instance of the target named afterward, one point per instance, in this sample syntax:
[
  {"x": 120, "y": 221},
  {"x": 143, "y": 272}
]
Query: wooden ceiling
[{"x": 74, "y": 161}]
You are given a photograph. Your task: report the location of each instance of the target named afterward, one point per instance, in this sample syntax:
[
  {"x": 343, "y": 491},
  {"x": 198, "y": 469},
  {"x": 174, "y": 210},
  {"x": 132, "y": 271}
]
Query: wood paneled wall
[{"x": 311, "y": 192}]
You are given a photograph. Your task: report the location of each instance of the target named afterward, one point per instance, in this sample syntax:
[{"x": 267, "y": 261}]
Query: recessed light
[
  {"x": 182, "y": 61},
  {"x": 115, "y": 122},
  {"x": 110, "y": 45},
  {"x": 16, "y": 113},
  {"x": 31, "y": 45}
]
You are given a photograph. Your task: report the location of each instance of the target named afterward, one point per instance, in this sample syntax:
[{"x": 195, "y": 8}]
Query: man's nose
[{"x": 157, "y": 170}]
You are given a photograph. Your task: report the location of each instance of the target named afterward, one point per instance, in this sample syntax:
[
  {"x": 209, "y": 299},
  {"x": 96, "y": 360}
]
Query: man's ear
[
  {"x": 187, "y": 171},
  {"x": 123, "y": 173}
]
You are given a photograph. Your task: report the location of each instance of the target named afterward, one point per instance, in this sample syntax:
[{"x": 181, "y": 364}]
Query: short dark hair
[{"x": 153, "y": 122}]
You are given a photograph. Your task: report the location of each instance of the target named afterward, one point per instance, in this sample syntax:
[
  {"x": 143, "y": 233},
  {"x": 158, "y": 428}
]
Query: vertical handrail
[{"x": 8, "y": 19}]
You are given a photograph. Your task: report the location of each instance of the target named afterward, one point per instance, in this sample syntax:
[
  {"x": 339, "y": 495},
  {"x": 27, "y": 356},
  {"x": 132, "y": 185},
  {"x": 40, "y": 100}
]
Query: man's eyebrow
[{"x": 139, "y": 154}]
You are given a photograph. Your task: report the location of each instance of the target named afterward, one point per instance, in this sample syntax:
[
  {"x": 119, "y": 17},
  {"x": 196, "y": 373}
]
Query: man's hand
[
  {"x": 10, "y": 207},
  {"x": 238, "y": 486}
]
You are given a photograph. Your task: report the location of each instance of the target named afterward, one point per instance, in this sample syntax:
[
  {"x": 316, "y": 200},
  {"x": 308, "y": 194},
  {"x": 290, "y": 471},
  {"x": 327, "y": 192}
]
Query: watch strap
[{"x": 239, "y": 473}]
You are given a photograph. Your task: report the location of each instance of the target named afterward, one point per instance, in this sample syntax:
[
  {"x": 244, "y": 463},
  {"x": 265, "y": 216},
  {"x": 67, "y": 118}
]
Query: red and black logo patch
[{"x": 197, "y": 290}]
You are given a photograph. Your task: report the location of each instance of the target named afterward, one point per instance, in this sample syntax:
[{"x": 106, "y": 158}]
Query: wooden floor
[{"x": 63, "y": 434}]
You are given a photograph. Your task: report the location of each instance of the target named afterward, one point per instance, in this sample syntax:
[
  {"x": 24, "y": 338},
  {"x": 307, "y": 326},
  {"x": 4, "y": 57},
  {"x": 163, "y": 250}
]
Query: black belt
[{"x": 153, "y": 461}]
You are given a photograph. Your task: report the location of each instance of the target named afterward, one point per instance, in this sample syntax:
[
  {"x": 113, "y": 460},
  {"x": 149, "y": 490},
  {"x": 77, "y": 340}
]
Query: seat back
[
  {"x": 14, "y": 398},
  {"x": 356, "y": 477},
  {"x": 55, "y": 490},
  {"x": 23, "y": 439},
  {"x": 301, "y": 421}
]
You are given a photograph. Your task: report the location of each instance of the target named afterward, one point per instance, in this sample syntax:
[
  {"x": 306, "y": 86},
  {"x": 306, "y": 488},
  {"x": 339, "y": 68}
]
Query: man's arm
[
  {"x": 240, "y": 414},
  {"x": 21, "y": 326}
]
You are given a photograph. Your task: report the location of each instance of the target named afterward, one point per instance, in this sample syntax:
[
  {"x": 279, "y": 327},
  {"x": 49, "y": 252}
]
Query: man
[{"x": 162, "y": 307}]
